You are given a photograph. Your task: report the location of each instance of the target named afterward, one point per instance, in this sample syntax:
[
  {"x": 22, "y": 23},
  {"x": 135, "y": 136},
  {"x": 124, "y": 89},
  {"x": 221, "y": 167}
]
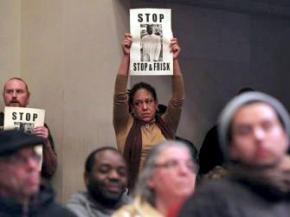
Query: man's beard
[
  {"x": 98, "y": 192},
  {"x": 14, "y": 103}
]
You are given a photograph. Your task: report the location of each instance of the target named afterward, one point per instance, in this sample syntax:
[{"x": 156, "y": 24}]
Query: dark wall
[{"x": 223, "y": 50}]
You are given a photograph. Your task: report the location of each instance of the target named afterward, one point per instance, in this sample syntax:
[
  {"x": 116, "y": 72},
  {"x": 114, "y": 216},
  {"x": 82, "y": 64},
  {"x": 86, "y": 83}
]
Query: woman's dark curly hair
[{"x": 141, "y": 85}]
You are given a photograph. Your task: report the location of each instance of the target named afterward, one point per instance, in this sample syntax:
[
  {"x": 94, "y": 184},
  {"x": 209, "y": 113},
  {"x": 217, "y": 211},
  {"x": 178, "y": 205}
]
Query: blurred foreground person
[
  {"x": 21, "y": 194},
  {"x": 106, "y": 179},
  {"x": 254, "y": 134},
  {"x": 167, "y": 179}
]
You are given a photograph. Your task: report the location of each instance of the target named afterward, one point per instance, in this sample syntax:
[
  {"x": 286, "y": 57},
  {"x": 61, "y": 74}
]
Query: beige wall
[
  {"x": 68, "y": 51},
  {"x": 9, "y": 40}
]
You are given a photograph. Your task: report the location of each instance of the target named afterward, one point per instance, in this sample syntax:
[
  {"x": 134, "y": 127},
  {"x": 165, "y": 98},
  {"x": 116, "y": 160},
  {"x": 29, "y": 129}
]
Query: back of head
[{"x": 245, "y": 90}]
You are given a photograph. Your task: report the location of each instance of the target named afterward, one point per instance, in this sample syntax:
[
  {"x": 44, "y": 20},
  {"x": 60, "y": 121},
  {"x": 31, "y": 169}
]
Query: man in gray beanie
[{"x": 254, "y": 133}]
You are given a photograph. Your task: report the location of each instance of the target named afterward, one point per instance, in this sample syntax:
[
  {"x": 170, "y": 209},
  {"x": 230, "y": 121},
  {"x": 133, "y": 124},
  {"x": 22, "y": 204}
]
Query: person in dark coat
[
  {"x": 21, "y": 192},
  {"x": 254, "y": 137},
  {"x": 210, "y": 154}
]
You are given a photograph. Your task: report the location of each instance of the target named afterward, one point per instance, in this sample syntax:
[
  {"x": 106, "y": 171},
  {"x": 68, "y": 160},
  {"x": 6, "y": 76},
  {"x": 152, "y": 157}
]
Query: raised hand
[
  {"x": 175, "y": 48},
  {"x": 126, "y": 43}
]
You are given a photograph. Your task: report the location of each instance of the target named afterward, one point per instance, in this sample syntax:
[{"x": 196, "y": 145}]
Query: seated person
[
  {"x": 167, "y": 179},
  {"x": 105, "y": 179},
  {"x": 21, "y": 193}
]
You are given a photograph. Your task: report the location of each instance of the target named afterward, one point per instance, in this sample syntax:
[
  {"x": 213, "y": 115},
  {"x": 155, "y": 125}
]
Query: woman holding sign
[{"x": 142, "y": 128}]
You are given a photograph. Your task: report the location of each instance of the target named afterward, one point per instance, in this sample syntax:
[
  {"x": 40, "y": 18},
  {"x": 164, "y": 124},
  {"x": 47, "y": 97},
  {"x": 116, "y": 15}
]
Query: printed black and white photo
[
  {"x": 151, "y": 42},
  {"x": 25, "y": 127}
]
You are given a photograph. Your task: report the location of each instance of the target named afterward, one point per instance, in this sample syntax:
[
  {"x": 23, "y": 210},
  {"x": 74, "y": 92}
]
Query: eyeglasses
[
  {"x": 139, "y": 103},
  {"x": 174, "y": 165}
]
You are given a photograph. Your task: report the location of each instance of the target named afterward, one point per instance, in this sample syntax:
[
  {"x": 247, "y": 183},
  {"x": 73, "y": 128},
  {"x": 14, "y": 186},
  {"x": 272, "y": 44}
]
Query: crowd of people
[{"x": 150, "y": 173}]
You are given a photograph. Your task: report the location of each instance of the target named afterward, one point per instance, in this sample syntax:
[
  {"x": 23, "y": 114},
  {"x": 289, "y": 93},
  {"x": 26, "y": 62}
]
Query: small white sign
[{"x": 25, "y": 119}]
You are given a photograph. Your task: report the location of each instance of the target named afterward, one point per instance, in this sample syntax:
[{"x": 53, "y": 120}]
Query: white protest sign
[
  {"x": 151, "y": 34},
  {"x": 24, "y": 119}
]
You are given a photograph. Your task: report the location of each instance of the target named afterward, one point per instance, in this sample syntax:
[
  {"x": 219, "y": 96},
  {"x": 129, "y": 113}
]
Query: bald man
[{"x": 16, "y": 94}]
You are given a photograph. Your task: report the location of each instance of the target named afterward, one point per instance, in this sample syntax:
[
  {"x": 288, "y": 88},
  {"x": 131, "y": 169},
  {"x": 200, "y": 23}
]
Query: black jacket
[
  {"x": 236, "y": 198},
  {"x": 210, "y": 154},
  {"x": 42, "y": 205}
]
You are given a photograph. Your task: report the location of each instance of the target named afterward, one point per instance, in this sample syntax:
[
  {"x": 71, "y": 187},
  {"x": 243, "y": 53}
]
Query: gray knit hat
[{"x": 231, "y": 108}]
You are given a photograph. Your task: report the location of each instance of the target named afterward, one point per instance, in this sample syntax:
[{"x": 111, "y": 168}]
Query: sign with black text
[
  {"x": 24, "y": 119},
  {"x": 151, "y": 34}
]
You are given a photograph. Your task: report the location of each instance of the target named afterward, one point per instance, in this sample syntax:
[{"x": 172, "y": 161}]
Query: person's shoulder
[
  {"x": 46, "y": 206},
  {"x": 213, "y": 186},
  {"x": 125, "y": 198},
  {"x": 129, "y": 210},
  {"x": 79, "y": 203},
  {"x": 125, "y": 211},
  {"x": 57, "y": 210},
  {"x": 78, "y": 198},
  {"x": 222, "y": 185},
  {"x": 208, "y": 199}
]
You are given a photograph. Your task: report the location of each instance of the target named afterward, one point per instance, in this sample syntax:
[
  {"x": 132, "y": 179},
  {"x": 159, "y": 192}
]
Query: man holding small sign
[{"x": 16, "y": 94}]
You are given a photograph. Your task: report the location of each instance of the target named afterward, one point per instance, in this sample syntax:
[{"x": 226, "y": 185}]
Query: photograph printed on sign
[
  {"x": 151, "y": 42},
  {"x": 25, "y": 127}
]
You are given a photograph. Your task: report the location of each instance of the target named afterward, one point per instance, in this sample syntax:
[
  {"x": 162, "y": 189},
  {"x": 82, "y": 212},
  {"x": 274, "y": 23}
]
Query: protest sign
[
  {"x": 24, "y": 119},
  {"x": 151, "y": 34}
]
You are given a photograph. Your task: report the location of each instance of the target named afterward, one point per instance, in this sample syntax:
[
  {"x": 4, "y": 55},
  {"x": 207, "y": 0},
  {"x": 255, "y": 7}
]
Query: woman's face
[
  {"x": 144, "y": 105},
  {"x": 174, "y": 175}
]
